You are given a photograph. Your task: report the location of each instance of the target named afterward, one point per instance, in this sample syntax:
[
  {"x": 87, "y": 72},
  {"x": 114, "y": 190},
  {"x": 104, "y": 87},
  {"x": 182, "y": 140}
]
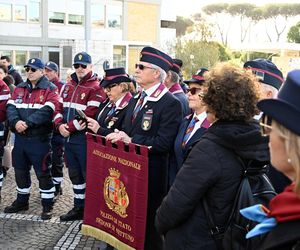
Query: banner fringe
[{"x": 104, "y": 236}]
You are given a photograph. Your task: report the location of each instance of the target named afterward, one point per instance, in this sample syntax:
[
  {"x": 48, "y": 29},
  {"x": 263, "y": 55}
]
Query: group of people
[{"x": 197, "y": 136}]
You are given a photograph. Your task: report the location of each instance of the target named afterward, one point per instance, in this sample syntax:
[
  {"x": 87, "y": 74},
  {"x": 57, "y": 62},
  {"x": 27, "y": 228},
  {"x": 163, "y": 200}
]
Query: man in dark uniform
[
  {"x": 271, "y": 79},
  {"x": 5, "y": 60},
  {"x": 30, "y": 114},
  {"x": 81, "y": 93},
  {"x": 172, "y": 83},
  {"x": 152, "y": 119},
  {"x": 57, "y": 141}
]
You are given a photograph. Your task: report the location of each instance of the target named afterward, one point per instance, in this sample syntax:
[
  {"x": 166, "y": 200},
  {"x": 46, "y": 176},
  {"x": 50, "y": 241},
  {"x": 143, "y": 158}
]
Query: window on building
[
  {"x": 33, "y": 11},
  {"x": 54, "y": 57},
  {"x": 5, "y": 12},
  {"x": 167, "y": 24},
  {"x": 20, "y": 58},
  {"x": 19, "y": 13},
  {"x": 57, "y": 17},
  {"x": 113, "y": 16},
  {"x": 35, "y": 54},
  {"x": 75, "y": 10},
  {"x": 119, "y": 56},
  {"x": 75, "y": 19},
  {"x": 97, "y": 15},
  {"x": 67, "y": 56}
]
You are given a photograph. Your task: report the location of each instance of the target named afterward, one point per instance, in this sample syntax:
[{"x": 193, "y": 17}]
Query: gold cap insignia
[
  {"x": 80, "y": 57},
  {"x": 32, "y": 60},
  {"x": 115, "y": 194}
]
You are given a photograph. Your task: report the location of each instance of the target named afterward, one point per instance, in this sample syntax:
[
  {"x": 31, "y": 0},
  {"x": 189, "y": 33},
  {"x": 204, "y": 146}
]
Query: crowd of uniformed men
[{"x": 154, "y": 108}]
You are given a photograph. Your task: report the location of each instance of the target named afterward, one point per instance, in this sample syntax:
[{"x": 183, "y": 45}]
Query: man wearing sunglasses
[
  {"x": 270, "y": 79},
  {"x": 57, "y": 141},
  {"x": 152, "y": 119},
  {"x": 30, "y": 113},
  {"x": 172, "y": 83},
  {"x": 82, "y": 93}
]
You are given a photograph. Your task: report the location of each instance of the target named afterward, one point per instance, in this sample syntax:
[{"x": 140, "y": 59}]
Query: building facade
[{"x": 110, "y": 30}]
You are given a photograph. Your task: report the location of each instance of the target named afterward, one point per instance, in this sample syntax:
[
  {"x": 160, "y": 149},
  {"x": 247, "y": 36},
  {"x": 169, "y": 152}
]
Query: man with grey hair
[
  {"x": 152, "y": 119},
  {"x": 271, "y": 80},
  {"x": 172, "y": 83}
]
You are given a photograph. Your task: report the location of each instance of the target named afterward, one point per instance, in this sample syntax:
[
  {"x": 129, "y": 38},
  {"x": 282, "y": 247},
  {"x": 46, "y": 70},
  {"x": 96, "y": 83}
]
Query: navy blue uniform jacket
[
  {"x": 181, "y": 153},
  {"x": 156, "y": 125},
  {"x": 109, "y": 123}
]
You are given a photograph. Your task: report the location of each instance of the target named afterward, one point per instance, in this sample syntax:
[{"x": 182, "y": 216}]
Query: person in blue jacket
[
  {"x": 192, "y": 127},
  {"x": 30, "y": 113}
]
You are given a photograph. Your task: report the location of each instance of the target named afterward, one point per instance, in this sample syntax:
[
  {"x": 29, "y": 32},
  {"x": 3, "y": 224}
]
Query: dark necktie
[
  {"x": 189, "y": 130},
  {"x": 112, "y": 110},
  {"x": 138, "y": 106}
]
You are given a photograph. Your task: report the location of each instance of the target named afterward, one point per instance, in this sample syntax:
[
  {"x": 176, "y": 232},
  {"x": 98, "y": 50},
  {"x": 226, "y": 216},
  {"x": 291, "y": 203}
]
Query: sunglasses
[
  {"x": 266, "y": 125},
  {"x": 142, "y": 67},
  {"x": 108, "y": 88},
  {"x": 193, "y": 91},
  {"x": 27, "y": 69},
  {"x": 76, "y": 66}
]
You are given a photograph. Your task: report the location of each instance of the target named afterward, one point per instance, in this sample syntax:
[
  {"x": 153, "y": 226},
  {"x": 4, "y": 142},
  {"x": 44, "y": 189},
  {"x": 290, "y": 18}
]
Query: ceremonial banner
[{"x": 116, "y": 193}]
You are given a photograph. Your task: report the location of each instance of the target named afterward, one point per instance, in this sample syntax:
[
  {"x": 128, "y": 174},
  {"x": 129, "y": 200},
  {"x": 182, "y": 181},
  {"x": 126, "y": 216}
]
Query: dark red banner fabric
[{"x": 116, "y": 193}]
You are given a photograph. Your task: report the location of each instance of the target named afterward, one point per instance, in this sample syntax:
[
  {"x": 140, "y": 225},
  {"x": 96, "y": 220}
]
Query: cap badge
[
  {"x": 32, "y": 61},
  {"x": 80, "y": 57}
]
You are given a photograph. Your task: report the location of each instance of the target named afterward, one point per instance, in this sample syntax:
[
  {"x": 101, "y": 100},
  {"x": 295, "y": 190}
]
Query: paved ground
[{"x": 26, "y": 230}]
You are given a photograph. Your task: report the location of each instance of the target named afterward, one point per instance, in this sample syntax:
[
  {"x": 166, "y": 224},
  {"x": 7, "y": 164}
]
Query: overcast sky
[{"x": 188, "y": 7}]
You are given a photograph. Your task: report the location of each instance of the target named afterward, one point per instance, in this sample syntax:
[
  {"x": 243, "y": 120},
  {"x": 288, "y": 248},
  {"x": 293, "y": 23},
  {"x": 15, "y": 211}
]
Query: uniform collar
[
  {"x": 156, "y": 92},
  {"x": 176, "y": 88},
  {"x": 123, "y": 101}
]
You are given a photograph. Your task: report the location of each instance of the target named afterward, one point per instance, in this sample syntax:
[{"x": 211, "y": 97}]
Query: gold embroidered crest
[
  {"x": 80, "y": 57},
  {"x": 145, "y": 125},
  {"x": 110, "y": 124},
  {"x": 115, "y": 194}
]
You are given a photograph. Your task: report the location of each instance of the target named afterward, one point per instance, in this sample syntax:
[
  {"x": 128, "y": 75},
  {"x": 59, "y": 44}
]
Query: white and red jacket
[{"x": 85, "y": 95}]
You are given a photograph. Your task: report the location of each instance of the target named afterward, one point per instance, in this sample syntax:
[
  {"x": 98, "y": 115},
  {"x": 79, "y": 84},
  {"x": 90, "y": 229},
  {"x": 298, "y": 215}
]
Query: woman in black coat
[
  {"x": 281, "y": 123},
  {"x": 212, "y": 169},
  {"x": 112, "y": 112}
]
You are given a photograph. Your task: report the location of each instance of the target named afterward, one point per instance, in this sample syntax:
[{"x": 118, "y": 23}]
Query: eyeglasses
[
  {"x": 142, "y": 67},
  {"x": 76, "y": 66},
  {"x": 266, "y": 125},
  {"x": 193, "y": 91},
  {"x": 108, "y": 88},
  {"x": 27, "y": 69}
]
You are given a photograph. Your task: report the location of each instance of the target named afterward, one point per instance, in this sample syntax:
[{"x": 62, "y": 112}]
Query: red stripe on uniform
[
  {"x": 200, "y": 78},
  {"x": 108, "y": 78},
  {"x": 265, "y": 71},
  {"x": 160, "y": 57}
]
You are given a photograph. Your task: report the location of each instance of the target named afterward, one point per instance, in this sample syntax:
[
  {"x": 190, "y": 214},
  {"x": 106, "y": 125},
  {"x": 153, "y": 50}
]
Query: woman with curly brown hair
[{"x": 213, "y": 169}]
